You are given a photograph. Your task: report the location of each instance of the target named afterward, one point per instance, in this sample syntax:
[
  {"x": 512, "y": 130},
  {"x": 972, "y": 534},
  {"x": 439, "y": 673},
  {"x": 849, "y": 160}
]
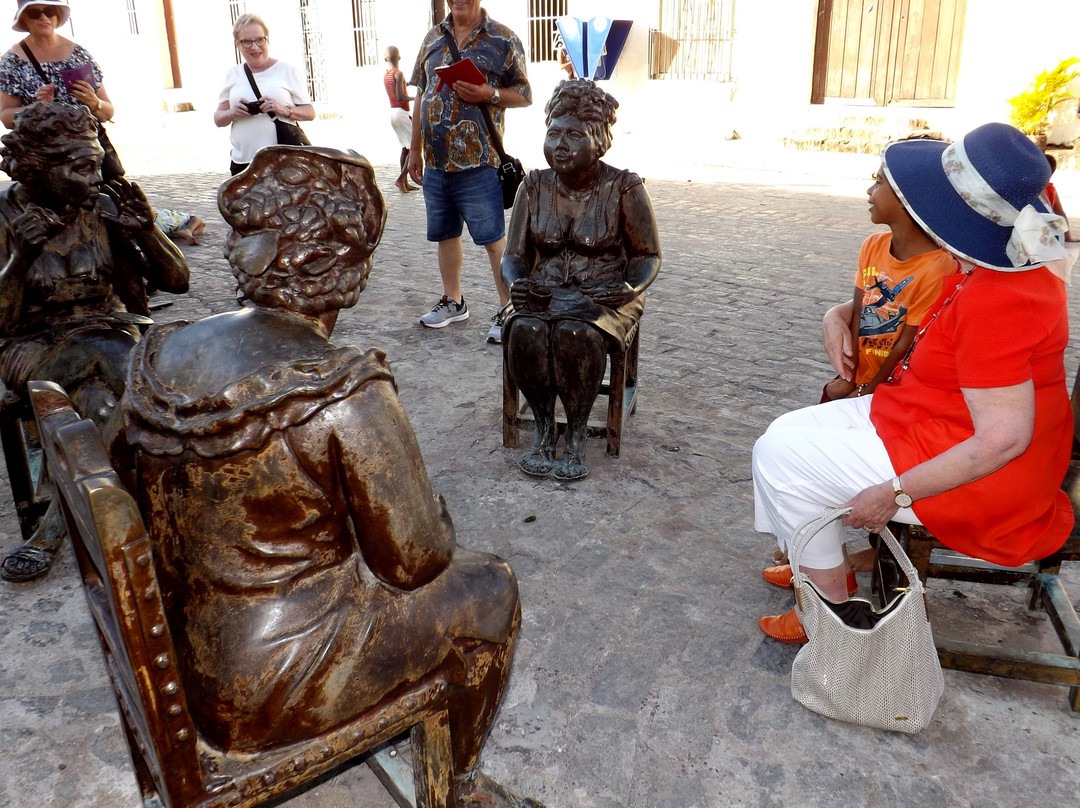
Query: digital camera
[{"x": 253, "y": 107}]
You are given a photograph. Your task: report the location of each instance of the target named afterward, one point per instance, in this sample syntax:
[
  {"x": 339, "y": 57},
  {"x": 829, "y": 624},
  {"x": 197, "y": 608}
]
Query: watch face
[{"x": 903, "y": 500}]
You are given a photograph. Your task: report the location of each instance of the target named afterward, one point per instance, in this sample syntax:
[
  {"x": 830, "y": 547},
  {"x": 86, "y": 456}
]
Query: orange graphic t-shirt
[{"x": 895, "y": 294}]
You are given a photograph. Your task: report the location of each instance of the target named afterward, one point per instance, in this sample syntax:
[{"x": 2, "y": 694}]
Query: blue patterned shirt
[
  {"x": 18, "y": 77},
  {"x": 455, "y": 135}
]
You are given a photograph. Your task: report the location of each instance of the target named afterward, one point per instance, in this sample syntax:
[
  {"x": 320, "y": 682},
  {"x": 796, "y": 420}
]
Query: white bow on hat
[{"x": 1037, "y": 238}]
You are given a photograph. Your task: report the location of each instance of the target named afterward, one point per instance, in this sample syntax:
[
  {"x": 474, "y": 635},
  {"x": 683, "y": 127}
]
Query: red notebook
[{"x": 463, "y": 70}]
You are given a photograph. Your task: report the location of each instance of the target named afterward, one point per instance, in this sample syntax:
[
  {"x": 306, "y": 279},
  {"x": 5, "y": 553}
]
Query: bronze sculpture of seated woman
[
  {"x": 581, "y": 250},
  {"x": 310, "y": 571}
]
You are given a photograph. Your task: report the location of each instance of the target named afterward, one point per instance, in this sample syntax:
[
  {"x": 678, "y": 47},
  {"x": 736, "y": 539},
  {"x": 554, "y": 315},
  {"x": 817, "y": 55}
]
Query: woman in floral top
[{"x": 20, "y": 83}]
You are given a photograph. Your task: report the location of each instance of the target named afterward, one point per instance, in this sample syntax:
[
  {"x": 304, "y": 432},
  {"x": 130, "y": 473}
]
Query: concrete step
[{"x": 857, "y": 134}]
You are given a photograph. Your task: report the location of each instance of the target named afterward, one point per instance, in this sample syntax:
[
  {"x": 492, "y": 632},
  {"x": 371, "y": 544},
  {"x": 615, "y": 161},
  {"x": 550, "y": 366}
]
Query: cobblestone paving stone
[{"x": 641, "y": 679}]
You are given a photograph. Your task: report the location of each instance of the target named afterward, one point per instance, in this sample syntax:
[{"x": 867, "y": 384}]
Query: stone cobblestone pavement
[{"x": 641, "y": 679}]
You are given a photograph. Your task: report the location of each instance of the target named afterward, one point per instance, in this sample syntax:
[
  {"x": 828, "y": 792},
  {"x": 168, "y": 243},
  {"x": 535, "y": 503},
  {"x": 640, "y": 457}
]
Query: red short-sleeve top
[{"x": 999, "y": 329}]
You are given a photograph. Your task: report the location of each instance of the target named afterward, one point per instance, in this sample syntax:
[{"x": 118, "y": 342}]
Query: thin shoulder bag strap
[
  {"x": 492, "y": 131},
  {"x": 258, "y": 92},
  {"x": 33, "y": 60},
  {"x": 251, "y": 81}
]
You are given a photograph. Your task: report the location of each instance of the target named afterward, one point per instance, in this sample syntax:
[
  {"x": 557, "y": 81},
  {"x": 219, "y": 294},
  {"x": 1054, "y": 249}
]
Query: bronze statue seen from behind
[
  {"x": 310, "y": 571},
  {"x": 75, "y": 258},
  {"x": 581, "y": 250}
]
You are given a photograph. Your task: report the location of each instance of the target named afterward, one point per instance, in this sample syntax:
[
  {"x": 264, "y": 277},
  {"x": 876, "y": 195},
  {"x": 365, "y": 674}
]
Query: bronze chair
[
  {"x": 175, "y": 767},
  {"x": 620, "y": 388}
]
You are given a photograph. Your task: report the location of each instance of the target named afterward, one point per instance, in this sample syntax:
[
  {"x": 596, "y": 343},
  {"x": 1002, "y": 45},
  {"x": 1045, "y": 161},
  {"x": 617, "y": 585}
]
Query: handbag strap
[
  {"x": 33, "y": 60},
  {"x": 251, "y": 81},
  {"x": 492, "y": 131},
  {"x": 808, "y": 529}
]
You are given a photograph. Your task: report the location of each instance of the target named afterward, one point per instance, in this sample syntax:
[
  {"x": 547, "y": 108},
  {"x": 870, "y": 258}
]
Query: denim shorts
[{"x": 473, "y": 196}]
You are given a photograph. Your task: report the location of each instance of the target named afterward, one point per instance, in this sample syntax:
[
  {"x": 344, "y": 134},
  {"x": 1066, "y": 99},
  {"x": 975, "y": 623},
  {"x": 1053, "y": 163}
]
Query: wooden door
[{"x": 888, "y": 51}]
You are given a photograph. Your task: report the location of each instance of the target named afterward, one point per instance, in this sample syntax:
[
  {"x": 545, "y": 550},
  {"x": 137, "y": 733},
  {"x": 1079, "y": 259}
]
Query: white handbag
[{"x": 886, "y": 676}]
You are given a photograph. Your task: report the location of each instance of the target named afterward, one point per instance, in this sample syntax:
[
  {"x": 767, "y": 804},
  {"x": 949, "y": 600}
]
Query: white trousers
[{"x": 816, "y": 458}]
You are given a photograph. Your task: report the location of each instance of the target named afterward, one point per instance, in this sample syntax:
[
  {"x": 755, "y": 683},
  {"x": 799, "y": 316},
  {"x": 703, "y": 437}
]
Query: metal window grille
[
  {"x": 236, "y": 8},
  {"x": 314, "y": 66},
  {"x": 133, "y": 20},
  {"x": 365, "y": 40},
  {"x": 694, "y": 40},
  {"x": 542, "y": 30}
]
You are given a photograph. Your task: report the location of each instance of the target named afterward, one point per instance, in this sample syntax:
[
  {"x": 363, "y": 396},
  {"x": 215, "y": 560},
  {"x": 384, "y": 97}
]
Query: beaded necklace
[{"x": 898, "y": 371}]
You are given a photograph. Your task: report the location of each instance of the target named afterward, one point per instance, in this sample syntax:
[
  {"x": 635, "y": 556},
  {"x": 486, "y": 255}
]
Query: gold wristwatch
[{"x": 903, "y": 500}]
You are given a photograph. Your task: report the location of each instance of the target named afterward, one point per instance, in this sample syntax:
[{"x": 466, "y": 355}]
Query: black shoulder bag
[
  {"x": 510, "y": 171},
  {"x": 288, "y": 134},
  {"x": 111, "y": 167}
]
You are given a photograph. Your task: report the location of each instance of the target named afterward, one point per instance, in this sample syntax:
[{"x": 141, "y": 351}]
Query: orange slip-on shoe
[{"x": 784, "y": 627}]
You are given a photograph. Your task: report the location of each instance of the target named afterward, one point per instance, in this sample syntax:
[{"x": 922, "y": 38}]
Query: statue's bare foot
[
  {"x": 570, "y": 467},
  {"x": 477, "y": 790},
  {"x": 538, "y": 461},
  {"x": 34, "y": 558}
]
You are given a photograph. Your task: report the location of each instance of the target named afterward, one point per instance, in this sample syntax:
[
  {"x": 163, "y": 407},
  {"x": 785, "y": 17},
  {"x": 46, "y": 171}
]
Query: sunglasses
[
  {"x": 248, "y": 44},
  {"x": 33, "y": 13}
]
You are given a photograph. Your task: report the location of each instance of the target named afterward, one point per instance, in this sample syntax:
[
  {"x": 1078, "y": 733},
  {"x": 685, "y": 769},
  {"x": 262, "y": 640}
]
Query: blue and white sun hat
[
  {"x": 979, "y": 197},
  {"x": 65, "y": 12}
]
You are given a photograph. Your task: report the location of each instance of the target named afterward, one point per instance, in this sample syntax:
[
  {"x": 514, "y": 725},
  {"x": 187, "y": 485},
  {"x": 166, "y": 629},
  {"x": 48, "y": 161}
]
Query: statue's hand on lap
[{"x": 609, "y": 296}]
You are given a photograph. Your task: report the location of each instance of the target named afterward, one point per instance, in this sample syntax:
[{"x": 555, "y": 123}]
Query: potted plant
[{"x": 1032, "y": 108}]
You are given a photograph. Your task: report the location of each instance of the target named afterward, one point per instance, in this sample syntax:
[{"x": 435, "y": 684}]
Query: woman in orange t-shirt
[{"x": 971, "y": 435}]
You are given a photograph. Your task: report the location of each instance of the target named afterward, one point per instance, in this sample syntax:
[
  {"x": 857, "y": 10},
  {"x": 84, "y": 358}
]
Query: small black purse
[{"x": 510, "y": 175}]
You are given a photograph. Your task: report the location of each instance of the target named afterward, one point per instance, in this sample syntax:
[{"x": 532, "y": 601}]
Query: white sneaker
[{"x": 446, "y": 311}]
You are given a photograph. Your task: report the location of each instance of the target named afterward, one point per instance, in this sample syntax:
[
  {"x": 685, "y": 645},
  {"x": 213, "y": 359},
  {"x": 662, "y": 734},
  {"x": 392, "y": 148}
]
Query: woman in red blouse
[{"x": 971, "y": 436}]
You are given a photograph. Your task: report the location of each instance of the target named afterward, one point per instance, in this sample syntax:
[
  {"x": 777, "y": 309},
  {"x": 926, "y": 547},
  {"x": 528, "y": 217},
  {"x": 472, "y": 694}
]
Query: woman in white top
[{"x": 283, "y": 94}]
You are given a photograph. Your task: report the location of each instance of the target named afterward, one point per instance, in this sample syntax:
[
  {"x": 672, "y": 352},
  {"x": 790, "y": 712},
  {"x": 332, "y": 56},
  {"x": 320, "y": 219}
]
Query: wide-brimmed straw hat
[
  {"x": 65, "y": 11},
  {"x": 980, "y": 196}
]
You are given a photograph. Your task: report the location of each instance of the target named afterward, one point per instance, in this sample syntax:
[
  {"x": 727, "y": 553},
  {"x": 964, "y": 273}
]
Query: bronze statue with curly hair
[
  {"x": 582, "y": 236},
  {"x": 75, "y": 257},
  {"x": 281, "y": 480}
]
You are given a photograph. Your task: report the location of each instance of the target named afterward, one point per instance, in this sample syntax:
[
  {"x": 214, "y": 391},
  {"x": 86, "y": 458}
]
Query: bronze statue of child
[{"x": 76, "y": 255}]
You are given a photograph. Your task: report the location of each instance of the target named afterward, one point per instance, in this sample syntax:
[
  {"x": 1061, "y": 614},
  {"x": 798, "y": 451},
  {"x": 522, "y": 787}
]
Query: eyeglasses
[
  {"x": 248, "y": 44},
  {"x": 33, "y": 13}
]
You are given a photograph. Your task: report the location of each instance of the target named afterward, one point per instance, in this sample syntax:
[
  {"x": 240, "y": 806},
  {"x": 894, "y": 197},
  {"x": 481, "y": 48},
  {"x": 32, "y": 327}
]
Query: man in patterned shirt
[{"x": 458, "y": 162}]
